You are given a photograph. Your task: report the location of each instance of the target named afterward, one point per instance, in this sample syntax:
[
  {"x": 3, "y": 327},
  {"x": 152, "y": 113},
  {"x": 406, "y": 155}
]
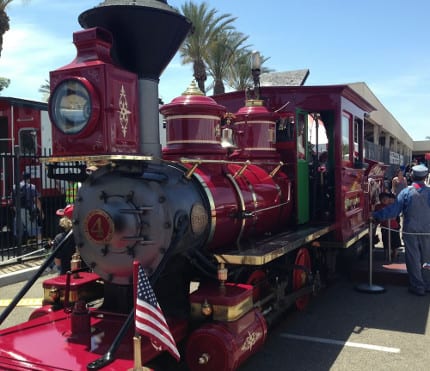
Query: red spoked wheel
[
  {"x": 300, "y": 276},
  {"x": 257, "y": 279}
]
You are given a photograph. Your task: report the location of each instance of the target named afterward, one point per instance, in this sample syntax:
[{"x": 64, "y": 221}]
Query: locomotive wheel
[
  {"x": 300, "y": 276},
  {"x": 257, "y": 280}
]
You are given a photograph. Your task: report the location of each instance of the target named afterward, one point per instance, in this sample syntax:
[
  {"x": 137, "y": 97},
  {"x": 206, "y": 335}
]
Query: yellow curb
[{"x": 30, "y": 302}]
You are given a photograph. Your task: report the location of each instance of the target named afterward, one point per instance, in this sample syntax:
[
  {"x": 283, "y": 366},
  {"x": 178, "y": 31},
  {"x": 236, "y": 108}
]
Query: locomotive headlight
[{"x": 74, "y": 106}]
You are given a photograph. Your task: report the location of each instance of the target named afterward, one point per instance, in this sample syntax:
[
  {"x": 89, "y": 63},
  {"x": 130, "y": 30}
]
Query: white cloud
[{"x": 27, "y": 57}]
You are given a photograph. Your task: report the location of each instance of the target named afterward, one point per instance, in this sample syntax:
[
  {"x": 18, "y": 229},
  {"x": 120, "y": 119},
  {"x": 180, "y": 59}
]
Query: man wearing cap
[{"x": 414, "y": 203}]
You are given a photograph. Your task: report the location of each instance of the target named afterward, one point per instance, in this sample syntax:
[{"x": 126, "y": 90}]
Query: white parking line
[{"x": 341, "y": 343}]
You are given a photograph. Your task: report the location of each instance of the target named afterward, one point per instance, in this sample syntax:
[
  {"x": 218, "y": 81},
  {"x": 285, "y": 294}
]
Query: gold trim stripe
[
  {"x": 239, "y": 194},
  {"x": 259, "y": 149},
  {"x": 357, "y": 237},
  {"x": 193, "y": 141},
  {"x": 97, "y": 158},
  {"x": 268, "y": 250},
  {"x": 224, "y": 312},
  {"x": 347, "y": 244},
  {"x": 254, "y": 122},
  {"x": 211, "y": 200},
  {"x": 205, "y": 117}
]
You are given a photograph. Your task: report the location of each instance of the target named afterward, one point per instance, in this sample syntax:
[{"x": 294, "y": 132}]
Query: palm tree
[
  {"x": 239, "y": 75},
  {"x": 221, "y": 57},
  {"x": 4, "y": 27},
  {"x": 207, "y": 25},
  {"x": 45, "y": 90},
  {"x": 4, "y": 83},
  {"x": 4, "y": 20}
]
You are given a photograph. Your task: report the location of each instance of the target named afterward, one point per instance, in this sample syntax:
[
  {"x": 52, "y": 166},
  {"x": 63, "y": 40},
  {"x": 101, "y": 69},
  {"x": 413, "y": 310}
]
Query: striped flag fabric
[{"x": 149, "y": 318}]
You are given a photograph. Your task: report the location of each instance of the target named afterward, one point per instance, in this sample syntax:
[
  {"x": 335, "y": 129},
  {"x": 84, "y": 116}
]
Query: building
[
  {"x": 390, "y": 142},
  {"x": 422, "y": 151},
  {"x": 385, "y": 138}
]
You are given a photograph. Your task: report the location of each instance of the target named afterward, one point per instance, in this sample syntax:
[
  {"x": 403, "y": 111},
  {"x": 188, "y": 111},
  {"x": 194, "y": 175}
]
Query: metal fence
[
  {"x": 385, "y": 155},
  {"x": 24, "y": 232}
]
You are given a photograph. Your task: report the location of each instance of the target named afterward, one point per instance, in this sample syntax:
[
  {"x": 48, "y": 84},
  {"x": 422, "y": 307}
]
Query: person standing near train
[
  {"x": 30, "y": 209},
  {"x": 390, "y": 229},
  {"x": 398, "y": 183},
  {"x": 414, "y": 203},
  {"x": 63, "y": 257}
]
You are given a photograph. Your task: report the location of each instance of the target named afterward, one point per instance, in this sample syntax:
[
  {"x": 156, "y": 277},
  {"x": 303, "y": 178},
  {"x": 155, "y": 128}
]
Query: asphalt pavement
[{"x": 343, "y": 328}]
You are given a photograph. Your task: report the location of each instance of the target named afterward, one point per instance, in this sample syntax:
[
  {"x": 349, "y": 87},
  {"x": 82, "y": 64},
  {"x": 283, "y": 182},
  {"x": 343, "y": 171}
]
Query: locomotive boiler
[{"x": 235, "y": 220}]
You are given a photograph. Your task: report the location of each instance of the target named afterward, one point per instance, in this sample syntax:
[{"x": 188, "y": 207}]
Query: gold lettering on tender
[{"x": 250, "y": 340}]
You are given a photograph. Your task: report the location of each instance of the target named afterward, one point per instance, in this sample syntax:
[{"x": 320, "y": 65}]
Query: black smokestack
[{"x": 146, "y": 36}]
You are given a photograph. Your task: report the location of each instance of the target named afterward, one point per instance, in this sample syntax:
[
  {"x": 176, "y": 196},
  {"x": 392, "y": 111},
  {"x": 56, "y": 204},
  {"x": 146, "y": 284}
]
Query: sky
[{"x": 383, "y": 43}]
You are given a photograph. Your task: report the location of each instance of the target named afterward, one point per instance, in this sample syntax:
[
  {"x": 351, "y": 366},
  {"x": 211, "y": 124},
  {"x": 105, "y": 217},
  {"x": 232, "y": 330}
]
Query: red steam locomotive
[{"x": 253, "y": 198}]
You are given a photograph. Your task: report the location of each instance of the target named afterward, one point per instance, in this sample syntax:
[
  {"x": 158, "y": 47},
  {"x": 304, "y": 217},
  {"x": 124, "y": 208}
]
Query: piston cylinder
[{"x": 226, "y": 345}]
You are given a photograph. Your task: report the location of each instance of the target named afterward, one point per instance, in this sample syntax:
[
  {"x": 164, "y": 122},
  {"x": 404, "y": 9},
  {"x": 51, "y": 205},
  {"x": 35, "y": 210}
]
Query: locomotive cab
[
  {"x": 323, "y": 124},
  {"x": 304, "y": 141}
]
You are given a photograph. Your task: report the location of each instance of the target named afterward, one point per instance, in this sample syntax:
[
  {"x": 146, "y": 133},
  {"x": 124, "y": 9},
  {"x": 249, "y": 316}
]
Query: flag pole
[
  {"x": 137, "y": 340},
  {"x": 135, "y": 283},
  {"x": 137, "y": 355}
]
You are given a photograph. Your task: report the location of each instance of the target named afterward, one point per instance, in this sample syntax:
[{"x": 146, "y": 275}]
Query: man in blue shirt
[
  {"x": 414, "y": 203},
  {"x": 31, "y": 212}
]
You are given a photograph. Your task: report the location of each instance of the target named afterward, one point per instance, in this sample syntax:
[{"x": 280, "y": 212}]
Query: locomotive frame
[{"x": 239, "y": 201}]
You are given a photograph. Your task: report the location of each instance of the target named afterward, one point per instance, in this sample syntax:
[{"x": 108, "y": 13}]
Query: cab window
[
  {"x": 27, "y": 142},
  {"x": 346, "y": 119},
  {"x": 301, "y": 136},
  {"x": 358, "y": 141}
]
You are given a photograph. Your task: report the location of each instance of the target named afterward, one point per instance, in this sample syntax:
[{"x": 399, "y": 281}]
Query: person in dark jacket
[
  {"x": 414, "y": 203},
  {"x": 30, "y": 208}
]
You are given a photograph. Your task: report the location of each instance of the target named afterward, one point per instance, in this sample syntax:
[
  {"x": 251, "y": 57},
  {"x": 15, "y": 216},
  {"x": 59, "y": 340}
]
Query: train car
[
  {"x": 25, "y": 131},
  {"x": 25, "y": 137},
  {"x": 241, "y": 215}
]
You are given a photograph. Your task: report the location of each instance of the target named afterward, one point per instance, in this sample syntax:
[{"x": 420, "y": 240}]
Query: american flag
[{"x": 149, "y": 317}]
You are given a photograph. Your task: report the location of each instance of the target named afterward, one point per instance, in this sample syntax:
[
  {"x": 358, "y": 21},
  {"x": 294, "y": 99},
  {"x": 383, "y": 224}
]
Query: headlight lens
[{"x": 71, "y": 105}]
